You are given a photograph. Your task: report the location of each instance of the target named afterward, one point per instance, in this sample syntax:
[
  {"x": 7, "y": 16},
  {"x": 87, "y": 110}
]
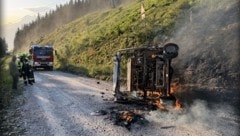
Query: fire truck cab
[{"x": 42, "y": 56}]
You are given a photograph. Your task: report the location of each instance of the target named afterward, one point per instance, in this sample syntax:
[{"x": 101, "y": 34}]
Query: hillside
[
  {"x": 63, "y": 14},
  {"x": 87, "y": 45},
  {"x": 207, "y": 33}
]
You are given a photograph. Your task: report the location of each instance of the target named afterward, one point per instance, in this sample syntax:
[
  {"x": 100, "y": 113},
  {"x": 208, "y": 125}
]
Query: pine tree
[{"x": 3, "y": 47}]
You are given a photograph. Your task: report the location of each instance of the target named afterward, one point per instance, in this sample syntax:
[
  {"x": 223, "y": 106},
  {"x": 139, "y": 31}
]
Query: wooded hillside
[{"x": 63, "y": 14}]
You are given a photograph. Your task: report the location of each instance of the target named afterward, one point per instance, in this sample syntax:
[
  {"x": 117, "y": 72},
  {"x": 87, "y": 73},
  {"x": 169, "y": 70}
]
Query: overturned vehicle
[{"x": 144, "y": 74}]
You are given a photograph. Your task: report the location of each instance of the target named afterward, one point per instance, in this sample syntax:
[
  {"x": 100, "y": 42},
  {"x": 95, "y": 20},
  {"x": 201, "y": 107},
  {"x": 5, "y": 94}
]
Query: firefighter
[
  {"x": 14, "y": 72},
  {"x": 19, "y": 65},
  {"x": 31, "y": 74},
  {"x": 25, "y": 68}
]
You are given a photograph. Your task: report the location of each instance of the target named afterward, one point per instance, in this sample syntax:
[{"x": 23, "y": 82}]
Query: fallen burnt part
[
  {"x": 167, "y": 127},
  {"x": 131, "y": 116},
  {"x": 128, "y": 118}
]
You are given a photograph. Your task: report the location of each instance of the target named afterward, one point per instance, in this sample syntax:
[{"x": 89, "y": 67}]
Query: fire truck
[{"x": 42, "y": 56}]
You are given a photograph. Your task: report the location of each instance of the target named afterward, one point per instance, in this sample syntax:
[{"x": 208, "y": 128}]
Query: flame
[
  {"x": 174, "y": 87},
  {"x": 127, "y": 116},
  {"x": 178, "y": 105},
  {"x": 159, "y": 105}
]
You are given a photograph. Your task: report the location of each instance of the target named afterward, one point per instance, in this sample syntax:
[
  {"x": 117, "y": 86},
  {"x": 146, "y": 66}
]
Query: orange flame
[
  {"x": 127, "y": 116},
  {"x": 173, "y": 88},
  {"x": 160, "y": 106},
  {"x": 178, "y": 105}
]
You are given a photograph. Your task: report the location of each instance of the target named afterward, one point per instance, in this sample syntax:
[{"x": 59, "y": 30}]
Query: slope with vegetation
[
  {"x": 5, "y": 83},
  {"x": 5, "y": 79},
  {"x": 87, "y": 44},
  {"x": 4, "y": 88}
]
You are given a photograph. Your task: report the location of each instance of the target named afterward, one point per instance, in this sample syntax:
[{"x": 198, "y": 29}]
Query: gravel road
[{"x": 62, "y": 104}]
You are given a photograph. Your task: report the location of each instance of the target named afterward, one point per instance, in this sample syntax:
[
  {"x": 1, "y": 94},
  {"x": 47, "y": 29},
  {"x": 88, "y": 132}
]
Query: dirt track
[{"x": 62, "y": 104}]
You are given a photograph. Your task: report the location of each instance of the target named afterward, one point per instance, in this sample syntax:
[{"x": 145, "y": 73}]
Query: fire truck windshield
[{"x": 43, "y": 51}]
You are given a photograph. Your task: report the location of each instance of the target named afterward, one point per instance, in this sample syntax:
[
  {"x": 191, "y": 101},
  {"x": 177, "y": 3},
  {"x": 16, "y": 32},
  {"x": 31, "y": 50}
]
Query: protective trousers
[
  {"x": 26, "y": 74},
  {"x": 31, "y": 76}
]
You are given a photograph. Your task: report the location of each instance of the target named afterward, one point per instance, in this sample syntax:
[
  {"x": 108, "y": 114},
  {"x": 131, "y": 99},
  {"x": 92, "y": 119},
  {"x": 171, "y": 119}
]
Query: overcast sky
[
  {"x": 15, "y": 13},
  {"x": 15, "y": 10}
]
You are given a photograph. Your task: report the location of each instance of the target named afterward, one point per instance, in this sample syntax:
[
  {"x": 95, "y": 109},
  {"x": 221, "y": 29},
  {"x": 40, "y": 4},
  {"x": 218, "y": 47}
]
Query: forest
[{"x": 53, "y": 19}]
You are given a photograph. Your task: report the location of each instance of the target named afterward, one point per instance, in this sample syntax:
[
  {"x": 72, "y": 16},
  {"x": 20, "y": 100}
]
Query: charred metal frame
[{"x": 148, "y": 70}]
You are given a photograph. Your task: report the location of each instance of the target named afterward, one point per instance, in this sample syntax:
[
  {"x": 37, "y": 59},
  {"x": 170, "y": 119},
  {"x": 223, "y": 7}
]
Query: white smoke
[
  {"x": 209, "y": 39},
  {"x": 208, "y": 36},
  {"x": 220, "y": 120}
]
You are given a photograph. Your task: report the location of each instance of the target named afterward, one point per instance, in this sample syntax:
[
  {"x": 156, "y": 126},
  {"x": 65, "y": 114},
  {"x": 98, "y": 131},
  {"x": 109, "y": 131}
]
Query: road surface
[{"x": 62, "y": 104}]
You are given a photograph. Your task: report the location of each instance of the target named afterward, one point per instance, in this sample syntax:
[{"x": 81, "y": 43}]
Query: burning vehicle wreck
[{"x": 144, "y": 74}]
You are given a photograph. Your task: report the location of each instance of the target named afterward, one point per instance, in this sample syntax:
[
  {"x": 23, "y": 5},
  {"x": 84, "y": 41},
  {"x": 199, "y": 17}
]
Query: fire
[
  {"x": 160, "y": 106},
  {"x": 127, "y": 116},
  {"x": 174, "y": 87},
  {"x": 178, "y": 105}
]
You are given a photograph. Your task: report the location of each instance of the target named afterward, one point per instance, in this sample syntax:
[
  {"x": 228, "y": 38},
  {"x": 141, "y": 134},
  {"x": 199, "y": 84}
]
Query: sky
[{"x": 15, "y": 13}]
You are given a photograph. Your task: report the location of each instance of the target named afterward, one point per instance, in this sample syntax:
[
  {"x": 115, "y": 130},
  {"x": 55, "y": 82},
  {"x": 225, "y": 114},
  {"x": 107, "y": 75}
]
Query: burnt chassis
[{"x": 149, "y": 73}]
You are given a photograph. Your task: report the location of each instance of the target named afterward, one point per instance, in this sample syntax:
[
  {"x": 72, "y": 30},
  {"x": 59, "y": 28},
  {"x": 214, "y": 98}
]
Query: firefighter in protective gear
[
  {"x": 19, "y": 65},
  {"x": 14, "y": 72},
  {"x": 25, "y": 68},
  {"x": 31, "y": 74}
]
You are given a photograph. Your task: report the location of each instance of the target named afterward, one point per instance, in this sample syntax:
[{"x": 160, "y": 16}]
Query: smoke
[
  {"x": 199, "y": 116},
  {"x": 197, "y": 112},
  {"x": 208, "y": 37}
]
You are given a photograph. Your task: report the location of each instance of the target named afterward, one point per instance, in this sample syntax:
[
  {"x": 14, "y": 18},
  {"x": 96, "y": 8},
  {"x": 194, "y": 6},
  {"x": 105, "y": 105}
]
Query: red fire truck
[{"x": 42, "y": 56}]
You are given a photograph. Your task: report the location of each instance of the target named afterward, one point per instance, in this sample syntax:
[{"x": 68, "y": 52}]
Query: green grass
[{"x": 86, "y": 45}]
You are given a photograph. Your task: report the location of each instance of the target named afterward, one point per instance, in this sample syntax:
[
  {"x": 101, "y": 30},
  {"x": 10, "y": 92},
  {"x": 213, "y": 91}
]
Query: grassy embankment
[
  {"x": 86, "y": 45},
  {"x": 5, "y": 83}
]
